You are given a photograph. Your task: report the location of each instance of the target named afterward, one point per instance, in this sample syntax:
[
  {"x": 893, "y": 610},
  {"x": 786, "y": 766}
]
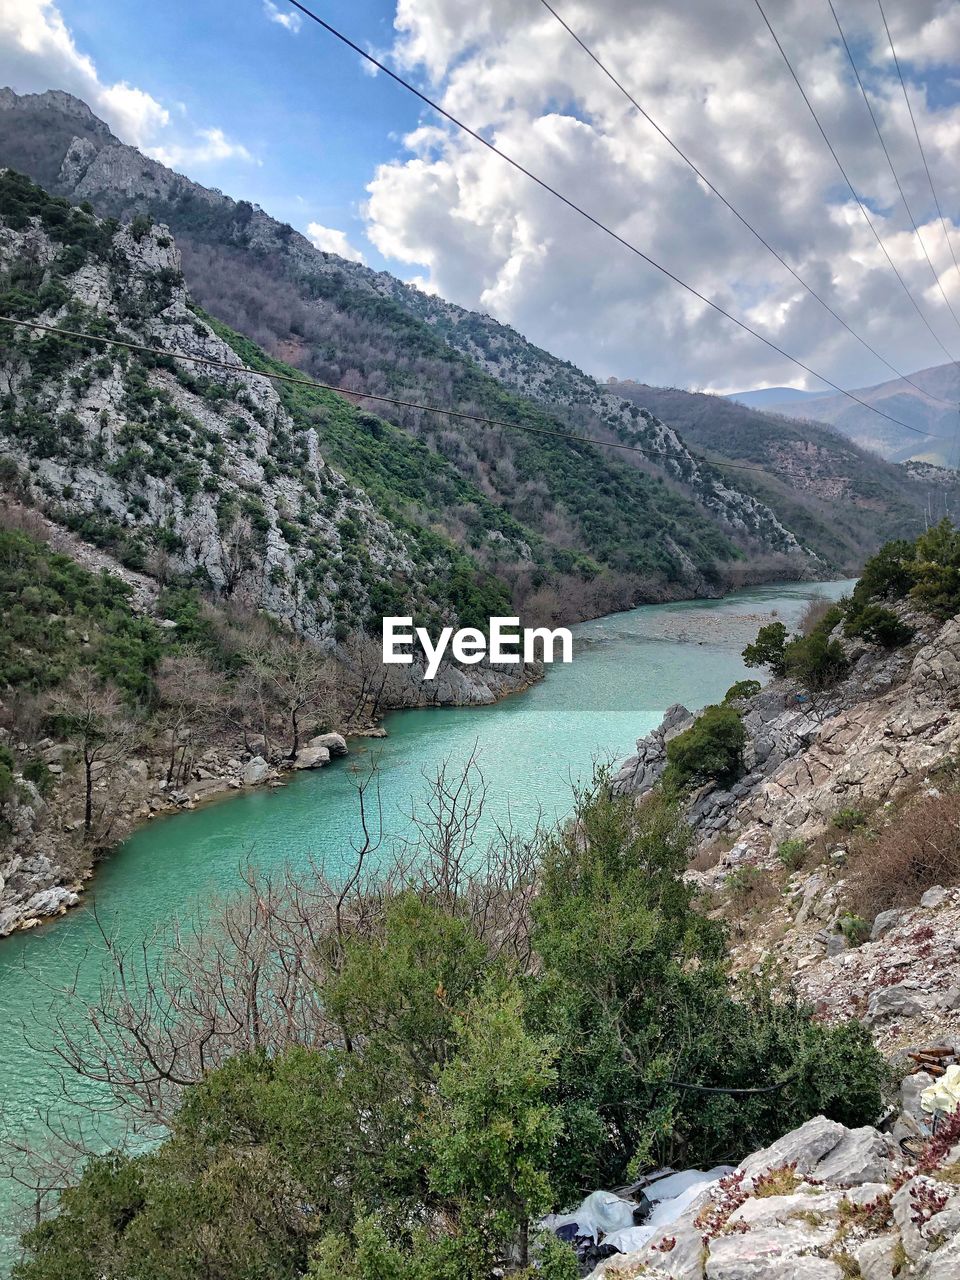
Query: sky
[{"x": 251, "y": 97}]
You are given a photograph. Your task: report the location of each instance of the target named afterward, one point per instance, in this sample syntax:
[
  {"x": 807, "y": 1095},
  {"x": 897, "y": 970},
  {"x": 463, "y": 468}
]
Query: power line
[
  {"x": 892, "y": 167},
  {"x": 568, "y": 436},
  {"x": 847, "y": 180},
  {"x": 933, "y": 189},
  {"x": 595, "y": 221},
  {"x": 732, "y": 208},
  {"x": 916, "y": 134}
]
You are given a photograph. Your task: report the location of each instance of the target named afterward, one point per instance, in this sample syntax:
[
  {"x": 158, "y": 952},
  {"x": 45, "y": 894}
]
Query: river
[{"x": 628, "y": 668}]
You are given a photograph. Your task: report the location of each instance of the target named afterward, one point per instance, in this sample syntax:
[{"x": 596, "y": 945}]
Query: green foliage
[
  {"x": 711, "y": 750},
  {"x": 742, "y": 689},
  {"x": 792, "y": 853},
  {"x": 849, "y": 819},
  {"x": 768, "y": 648},
  {"x": 451, "y": 1101},
  {"x": 855, "y": 929},
  {"x": 58, "y": 615},
  {"x": 815, "y": 661},
  {"x": 7, "y": 766},
  {"x": 878, "y": 625}
]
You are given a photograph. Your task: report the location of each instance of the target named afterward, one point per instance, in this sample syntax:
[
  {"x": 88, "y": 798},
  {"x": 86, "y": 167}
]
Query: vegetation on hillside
[{"x": 466, "y": 1056}]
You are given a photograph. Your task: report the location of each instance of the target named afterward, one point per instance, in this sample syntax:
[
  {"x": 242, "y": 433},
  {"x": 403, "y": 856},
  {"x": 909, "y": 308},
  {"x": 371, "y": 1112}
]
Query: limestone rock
[
  {"x": 804, "y": 1148},
  {"x": 900, "y": 1001},
  {"x": 311, "y": 757},
  {"x": 335, "y": 743},
  {"x": 254, "y": 771},
  {"x": 861, "y": 1155}
]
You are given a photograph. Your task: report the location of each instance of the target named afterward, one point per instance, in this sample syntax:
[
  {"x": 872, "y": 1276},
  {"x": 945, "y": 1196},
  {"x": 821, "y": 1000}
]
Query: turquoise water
[{"x": 628, "y": 669}]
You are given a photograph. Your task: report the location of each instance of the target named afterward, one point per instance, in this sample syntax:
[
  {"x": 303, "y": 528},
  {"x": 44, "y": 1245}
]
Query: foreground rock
[{"x": 822, "y": 1203}]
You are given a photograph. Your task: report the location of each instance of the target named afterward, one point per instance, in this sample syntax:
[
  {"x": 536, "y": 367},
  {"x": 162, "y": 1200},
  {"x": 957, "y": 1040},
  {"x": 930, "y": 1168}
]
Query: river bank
[
  {"x": 50, "y": 859},
  {"x": 628, "y": 669}
]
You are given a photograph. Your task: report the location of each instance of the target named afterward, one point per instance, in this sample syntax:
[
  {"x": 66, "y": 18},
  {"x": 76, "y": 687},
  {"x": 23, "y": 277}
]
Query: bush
[
  {"x": 920, "y": 848},
  {"x": 850, "y": 819},
  {"x": 742, "y": 689},
  {"x": 767, "y": 649},
  {"x": 878, "y": 625},
  {"x": 792, "y": 853},
  {"x": 8, "y": 765},
  {"x": 855, "y": 929},
  {"x": 711, "y": 750},
  {"x": 748, "y": 887},
  {"x": 816, "y": 662}
]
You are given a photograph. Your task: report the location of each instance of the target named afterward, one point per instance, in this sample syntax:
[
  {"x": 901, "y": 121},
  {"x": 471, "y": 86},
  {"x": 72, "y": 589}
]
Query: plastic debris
[{"x": 944, "y": 1094}]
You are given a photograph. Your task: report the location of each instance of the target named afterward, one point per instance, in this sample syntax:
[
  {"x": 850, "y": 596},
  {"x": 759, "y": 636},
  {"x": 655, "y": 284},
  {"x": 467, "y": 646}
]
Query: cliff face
[
  {"x": 369, "y": 326},
  {"x": 199, "y": 469},
  {"x": 828, "y": 787}
]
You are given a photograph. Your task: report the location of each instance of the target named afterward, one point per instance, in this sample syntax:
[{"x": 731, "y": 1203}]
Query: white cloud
[
  {"x": 483, "y": 235},
  {"x": 332, "y": 241},
  {"x": 291, "y": 20},
  {"x": 38, "y": 52},
  {"x": 211, "y": 145}
]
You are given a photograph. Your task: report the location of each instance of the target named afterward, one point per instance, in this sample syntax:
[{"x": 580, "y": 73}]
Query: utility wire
[
  {"x": 933, "y": 189},
  {"x": 568, "y": 436},
  {"x": 727, "y": 203},
  {"x": 916, "y": 134},
  {"x": 571, "y": 204},
  {"x": 893, "y": 171},
  {"x": 853, "y": 191}
]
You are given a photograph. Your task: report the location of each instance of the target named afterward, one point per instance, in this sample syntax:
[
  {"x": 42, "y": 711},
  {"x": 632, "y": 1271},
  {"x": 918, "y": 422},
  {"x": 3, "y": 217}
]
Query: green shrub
[
  {"x": 849, "y": 819},
  {"x": 37, "y": 772},
  {"x": 878, "y": 625},
  {"x": 855, "y": 929},
  {"x": 815, "y": 661},
  {"x": 792, "y": 853},
  {"x": 742, "y": 689},
  {"x": 767, "y": 649},
  {"x": 8, "y": 765},
  {"x": 711, "y": 750}
]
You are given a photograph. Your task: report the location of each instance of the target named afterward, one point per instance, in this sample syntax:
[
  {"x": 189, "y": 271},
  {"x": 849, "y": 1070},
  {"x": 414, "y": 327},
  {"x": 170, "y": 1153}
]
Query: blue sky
[{"x": 300, "y": 102}]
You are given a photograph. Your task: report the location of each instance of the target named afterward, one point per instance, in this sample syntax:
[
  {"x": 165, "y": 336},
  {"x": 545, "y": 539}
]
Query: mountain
[
  {"x": 834, "y": 494},
  {"x": 179, "y": 469},
  {"x": 603, "y": 529},
  {"x": 770, "y": 395},
  {"x": 918, "y": 406}
]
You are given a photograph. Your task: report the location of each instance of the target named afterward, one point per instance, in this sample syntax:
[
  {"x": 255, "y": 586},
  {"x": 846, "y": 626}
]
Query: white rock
[
  {"x": 935, "y": 897},
  {"x": 335, "y": 743},
  {"x": 311, "y": 758},
  {"x": 804, "y": 1147},
  {"x": 861, "y": 1155},
  {"x": 254, "y": 771}
]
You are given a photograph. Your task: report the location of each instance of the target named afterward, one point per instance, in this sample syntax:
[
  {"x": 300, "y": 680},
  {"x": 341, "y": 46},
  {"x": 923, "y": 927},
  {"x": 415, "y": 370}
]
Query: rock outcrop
[{"x": 822, "y": 1203}]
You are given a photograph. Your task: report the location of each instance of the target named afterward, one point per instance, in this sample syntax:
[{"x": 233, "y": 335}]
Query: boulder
[
  {"x": 935, "y": 897},
  {"x": 783, "y": 1253},
  {"x": 904, "y": 1000},
  {"x": 861, "y": 1155},
  {"x": 311, "y": 757},
  {"x": 884, "y": 922},
  {"x": 804, "y": 1148},
  {"x": 254, "y": 771},
  {"x": 335, "y": 743}
]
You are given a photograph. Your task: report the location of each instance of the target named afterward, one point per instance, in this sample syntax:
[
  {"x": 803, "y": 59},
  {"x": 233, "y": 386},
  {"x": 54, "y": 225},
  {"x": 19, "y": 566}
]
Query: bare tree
[
  {"x": 191, "y": 693},
  {"x": 91, "y": 716},
  {"x": 300, "y": 676}
]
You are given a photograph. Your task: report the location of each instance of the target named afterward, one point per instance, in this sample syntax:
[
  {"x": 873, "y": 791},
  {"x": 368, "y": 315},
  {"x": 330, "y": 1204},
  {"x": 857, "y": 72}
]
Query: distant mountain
[
  {"x": 922, "y": 409},
  {"x": 828, "y": 489},
  {"x": 770, "y": 395},
  {"x": 605, "y": 529}
]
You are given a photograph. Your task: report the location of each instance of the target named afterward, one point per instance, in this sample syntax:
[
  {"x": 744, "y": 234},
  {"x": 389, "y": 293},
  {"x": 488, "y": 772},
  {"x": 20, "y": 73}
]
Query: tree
[
  {"x": 191, "y": 692},
  {"x": 711, "y": 750},
  {"x": 299, "y": 676},
  {"x": 767, "y": 649},
  {"x": 90, "y": 714}
]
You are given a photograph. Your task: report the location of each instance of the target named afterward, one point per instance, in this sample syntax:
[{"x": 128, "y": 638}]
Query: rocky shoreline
[{"x": 45, "y": 866}]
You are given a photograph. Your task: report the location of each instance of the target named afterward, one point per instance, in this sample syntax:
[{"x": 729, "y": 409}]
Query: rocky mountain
[
  {"x": 182, "y": 468},
  {"x": 920, "y": 406},
  {"x": 835, "y": 493},
  {"x": 649, "y": 520}
]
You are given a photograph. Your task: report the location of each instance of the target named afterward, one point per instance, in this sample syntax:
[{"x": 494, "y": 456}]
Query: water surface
[{"x": 628, "y": 668}]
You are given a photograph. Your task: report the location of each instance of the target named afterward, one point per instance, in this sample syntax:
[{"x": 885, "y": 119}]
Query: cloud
[
  {"x": 291, "y": 20},
  {"x": 332, "y": 241},
  {"x": 38, "y": 52},
  {"x": 483, "y": 235},
  {"x": 212, "y": 145}
]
